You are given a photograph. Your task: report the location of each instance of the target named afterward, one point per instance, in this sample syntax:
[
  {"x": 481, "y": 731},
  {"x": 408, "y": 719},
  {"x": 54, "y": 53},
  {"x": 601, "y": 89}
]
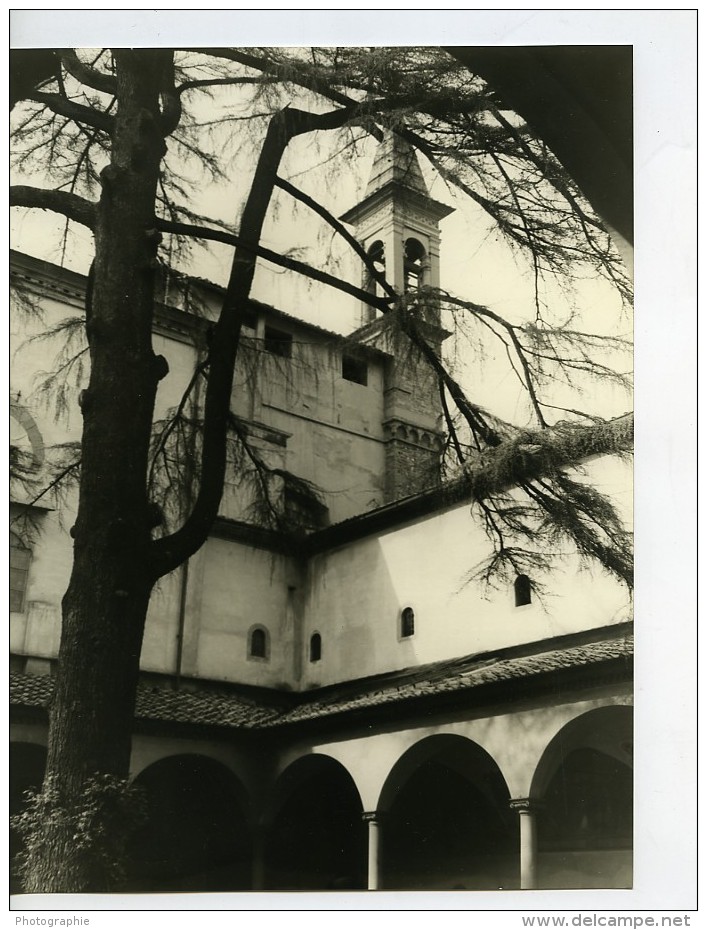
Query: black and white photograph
[{"x": 322, "y": 490}]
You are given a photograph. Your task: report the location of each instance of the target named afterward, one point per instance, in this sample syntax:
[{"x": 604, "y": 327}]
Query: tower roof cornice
[
  {"x": 393, "y": 191},
  {"x": 396, "y": 176}
]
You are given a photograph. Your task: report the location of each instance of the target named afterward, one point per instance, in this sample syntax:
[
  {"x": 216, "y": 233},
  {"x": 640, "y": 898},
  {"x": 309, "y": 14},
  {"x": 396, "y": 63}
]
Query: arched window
[
  {"x": 407, "y": 622},
  {"x": 315, "y": 648},
  {"x": 414, "y": 264},
  {"x": 259, "y": 643},
  {"x": 20, "y": 558},
  {"x": 523, "y": 589}
]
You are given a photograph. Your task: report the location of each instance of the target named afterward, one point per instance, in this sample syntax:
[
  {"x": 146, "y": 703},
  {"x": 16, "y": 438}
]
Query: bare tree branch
[
  {"x": 85, "y": 74},
  {"x": 277, "y": 258},
  {"x": 70, "y": 205},
  {"x": 77, "y": 112}
]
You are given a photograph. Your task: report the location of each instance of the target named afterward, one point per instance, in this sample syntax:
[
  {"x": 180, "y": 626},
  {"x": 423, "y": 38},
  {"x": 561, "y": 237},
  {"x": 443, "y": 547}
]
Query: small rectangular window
[
  {"x": 354, "y": 369},
  {"x": 304, "y": 511},
  {"x": 522, "y": 589},
  {"x": 278, "y": 342}
]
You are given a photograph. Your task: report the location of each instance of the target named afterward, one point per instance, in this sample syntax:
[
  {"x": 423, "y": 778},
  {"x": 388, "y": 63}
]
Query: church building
[{"x": 338, "y": 704}]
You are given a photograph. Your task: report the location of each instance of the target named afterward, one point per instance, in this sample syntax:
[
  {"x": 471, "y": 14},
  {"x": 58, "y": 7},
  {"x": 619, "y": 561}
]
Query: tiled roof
[
  {"x": 236, "y": 711},
  {"x": 204, "y": 707},
  {"x": 456, "y": 676}
]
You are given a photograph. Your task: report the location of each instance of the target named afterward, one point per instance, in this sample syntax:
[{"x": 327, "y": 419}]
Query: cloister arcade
[{"x": 536, "y": 799}]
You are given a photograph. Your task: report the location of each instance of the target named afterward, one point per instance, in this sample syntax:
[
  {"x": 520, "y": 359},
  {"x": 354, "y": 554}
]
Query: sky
[{"x": 475, "y": 263}]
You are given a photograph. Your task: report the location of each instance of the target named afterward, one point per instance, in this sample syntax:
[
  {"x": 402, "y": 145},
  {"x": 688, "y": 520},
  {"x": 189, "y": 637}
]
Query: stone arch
[
  {"x": 27, "y": 765},
  {"x": 583, "y": 794},
  {"x": 28, "y": 426},
  {"x": 608, "y": 729},
  {"x": 446, "y": 819},
  {"x": 243, "y": 764},
  {"x": 314, "y": 835},
  {"x": 196, "y": 835}
]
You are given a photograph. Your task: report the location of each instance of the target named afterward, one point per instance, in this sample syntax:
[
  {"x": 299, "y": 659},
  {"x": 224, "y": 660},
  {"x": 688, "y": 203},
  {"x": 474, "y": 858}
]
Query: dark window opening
[
  {"x": 258, "y": 648},
  {"x": 523, "y": 590},
  {"x": 315, "y": 648},
  {"x": 20, "y": 558},
  {"x": 250, "y": 319},
  {"x": 414, "y": 264},
  {"x": 407, "y": 622},
  {"x": 303, "y": 510},
  {"x": 354, "y": 369},
  {"x": 278, "y": 343}
]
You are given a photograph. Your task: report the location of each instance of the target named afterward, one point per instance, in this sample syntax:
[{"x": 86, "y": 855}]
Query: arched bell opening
[{"x": 415, "y": 258}]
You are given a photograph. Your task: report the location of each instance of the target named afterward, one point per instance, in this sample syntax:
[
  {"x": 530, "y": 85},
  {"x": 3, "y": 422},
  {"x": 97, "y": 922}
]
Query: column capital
[
  {"x": 372, "y": 816},
  {"x": 524, "y": 805}
]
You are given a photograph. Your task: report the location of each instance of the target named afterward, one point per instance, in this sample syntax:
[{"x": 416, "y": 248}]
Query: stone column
[
  {"x": 527, "y": 811},
  {"x": 373, "y": 819}
]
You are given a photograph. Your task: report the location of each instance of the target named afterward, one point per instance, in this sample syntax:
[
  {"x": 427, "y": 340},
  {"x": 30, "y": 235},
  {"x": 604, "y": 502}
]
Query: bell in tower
[{"x": 397, "y": 223}]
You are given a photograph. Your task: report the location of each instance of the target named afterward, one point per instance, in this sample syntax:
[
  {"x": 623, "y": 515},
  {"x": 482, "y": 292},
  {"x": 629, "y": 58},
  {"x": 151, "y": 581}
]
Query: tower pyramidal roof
[
  {"x": 395, "y": 161},
  {"x": 396, "y": 173}
]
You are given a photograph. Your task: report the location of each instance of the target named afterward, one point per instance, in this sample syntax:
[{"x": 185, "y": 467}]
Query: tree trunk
[
  {"x": 115, "y": 561},
  {"x": 105, "y": 606}
]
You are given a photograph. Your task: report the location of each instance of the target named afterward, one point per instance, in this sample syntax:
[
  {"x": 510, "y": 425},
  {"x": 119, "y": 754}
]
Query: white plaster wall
[
  {"x": 181, "y": 358},
  {"x": 37, "y": 629},
  {"x": 243, "y": 587},
  {"x": 355, "y": 595},
  {"x": 514, "y": 738},
  {"x": 160, "y": 640},
  {"x": 352, "y": 597},
  {"x": 33, "y": 357}
]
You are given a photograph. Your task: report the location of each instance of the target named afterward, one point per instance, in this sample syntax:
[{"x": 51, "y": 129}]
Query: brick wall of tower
[
  {"x": 412, "y": 458},
  {"x": 412, "y": 425}
]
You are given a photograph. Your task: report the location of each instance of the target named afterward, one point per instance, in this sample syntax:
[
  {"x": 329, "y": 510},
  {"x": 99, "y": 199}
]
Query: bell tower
[{"x": 397, "y": 223}]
